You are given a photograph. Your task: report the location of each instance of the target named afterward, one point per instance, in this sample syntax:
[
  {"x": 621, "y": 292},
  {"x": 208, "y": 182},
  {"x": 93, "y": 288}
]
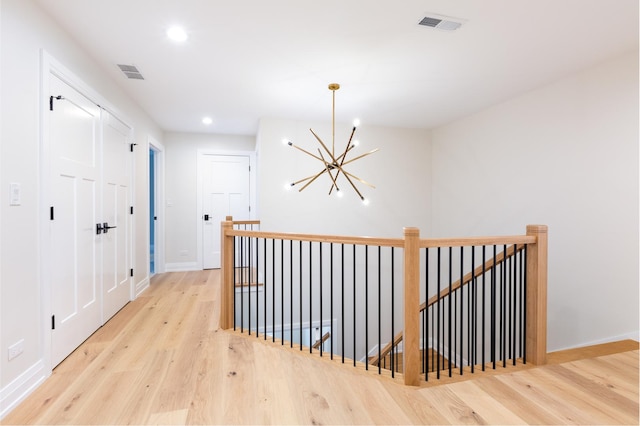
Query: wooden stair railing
[
  {"x": 535, "y": 332},
  {"x": 466, "y": 279},
  {"x": 321, "y": 340}
]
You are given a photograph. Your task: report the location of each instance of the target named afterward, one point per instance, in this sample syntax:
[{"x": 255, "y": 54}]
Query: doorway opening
[
  {"x": 152, "y": 211},
  {"x": 156, "y": 211}
]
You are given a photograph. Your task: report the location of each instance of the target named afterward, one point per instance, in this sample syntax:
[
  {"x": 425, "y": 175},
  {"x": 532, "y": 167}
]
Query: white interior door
[
  {"x": 116, "y": 217},
  {"x": 75, "y": 251},
  {"x": 226, "y": 186}
]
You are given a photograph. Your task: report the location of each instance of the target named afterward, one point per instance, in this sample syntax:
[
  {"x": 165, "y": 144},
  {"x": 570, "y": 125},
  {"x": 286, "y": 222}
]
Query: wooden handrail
[
  {"x": 386, "y": 349},
  {"x": 242, "y": 222},
  {"x": 321, "y": 340}
]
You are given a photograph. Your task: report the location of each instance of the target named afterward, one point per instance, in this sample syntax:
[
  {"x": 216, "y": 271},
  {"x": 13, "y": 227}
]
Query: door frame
[
  {"x": 202, "y": 155},
  {"x": 159, "y": 264},
  {"x": 49, "y": 65}
]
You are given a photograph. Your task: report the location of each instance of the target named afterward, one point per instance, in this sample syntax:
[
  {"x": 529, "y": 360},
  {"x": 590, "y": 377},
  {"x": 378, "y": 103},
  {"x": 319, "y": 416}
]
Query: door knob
[
  {"x": 206, "y": 217},
  {"x": 106, "y": 227},
  {"x": 98, "y": 228}
]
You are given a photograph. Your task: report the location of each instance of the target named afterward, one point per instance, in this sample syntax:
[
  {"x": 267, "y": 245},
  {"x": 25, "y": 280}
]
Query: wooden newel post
[
  {"x": 411, "y": 334},
  {"x": 226, "y": 276},
  {"x": 536, "y": 327}
]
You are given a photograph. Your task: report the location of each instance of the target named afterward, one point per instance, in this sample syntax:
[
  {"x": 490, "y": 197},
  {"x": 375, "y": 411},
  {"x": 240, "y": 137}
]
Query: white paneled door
[
  {"x": 89, "y": 187},
  {"x": 225, "y": 186},
  {"x": 116, "y": 226}
]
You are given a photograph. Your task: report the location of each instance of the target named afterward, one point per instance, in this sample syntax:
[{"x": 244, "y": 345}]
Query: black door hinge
[
  {"x": 131, "y": 272},
  {"x": 131, "y": 145},
  {"x": 131, "y": 210},
  {"x": 53, "y": 322},
  {"x": 51, "y": 213}
]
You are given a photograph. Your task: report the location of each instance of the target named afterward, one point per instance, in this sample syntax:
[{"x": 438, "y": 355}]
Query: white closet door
[{"x": 75, "y": 252}]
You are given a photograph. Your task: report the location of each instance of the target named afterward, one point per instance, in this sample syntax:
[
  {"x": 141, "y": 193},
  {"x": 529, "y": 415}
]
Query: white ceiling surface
[{"x": 256, "y": 58}]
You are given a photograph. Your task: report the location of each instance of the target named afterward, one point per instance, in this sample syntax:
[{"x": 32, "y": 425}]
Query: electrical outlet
[{"x": 16, "y": 349}]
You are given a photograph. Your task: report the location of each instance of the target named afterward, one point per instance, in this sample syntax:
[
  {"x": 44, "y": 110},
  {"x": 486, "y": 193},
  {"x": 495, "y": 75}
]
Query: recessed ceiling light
[
  {"x": 177, "y": 33},
  {"x": 207, "y": 120}
]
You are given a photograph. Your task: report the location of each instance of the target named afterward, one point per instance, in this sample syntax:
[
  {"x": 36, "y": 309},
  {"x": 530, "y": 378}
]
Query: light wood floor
[{"x": 161, "y": 360}]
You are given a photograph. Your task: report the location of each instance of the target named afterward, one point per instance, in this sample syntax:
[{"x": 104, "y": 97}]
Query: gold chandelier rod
[{"x": 333, "y": 87}]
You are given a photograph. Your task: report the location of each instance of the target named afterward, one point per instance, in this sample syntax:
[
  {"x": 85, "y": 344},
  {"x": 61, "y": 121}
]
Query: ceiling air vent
[
  {"x": 441, "y": 22},
  {"x": 131, "y": 71}
]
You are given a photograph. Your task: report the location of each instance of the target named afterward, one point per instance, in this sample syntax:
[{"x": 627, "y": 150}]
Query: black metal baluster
[
  {"x": 266, "y": 282},
  {"x": 449, "y": 310},
  {"x": 503, "y": 298},
  {"x": 514, "y": 294},
  {"x": 354, "y": 305},
  {"x": 439, "y": 346},
  {"x": 273, "y": 292},
  {"x": 300, "y": 277},
  {"x": 290, "y": 293},
  {"x": 281, "y": 294},
  {"x": 493, "y": 308},
  {"x": 392, "y": 311},
  {"x": 331, "y": 296},
  {"x": 425, "y": 312},
  {"x": 379, "y": 307},
  {"x": 461, "y": 291},
  {"x": 366, "y": 306},
  {"x": 524, "y": 308},
  {"x": 235, "y": 280},
  {"x": 249, "y": 286},
  {"x": 242, "y": 266},
  {"x": 310, "y": 298},
  {"x": 342, "y": 302},
  {"x": 321, "y": 270},
  {"x": 472, "y": 313}
]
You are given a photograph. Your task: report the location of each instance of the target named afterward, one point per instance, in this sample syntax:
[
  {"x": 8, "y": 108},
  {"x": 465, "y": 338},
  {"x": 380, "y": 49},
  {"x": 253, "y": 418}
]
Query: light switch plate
[{"x": 14, "y": 194}]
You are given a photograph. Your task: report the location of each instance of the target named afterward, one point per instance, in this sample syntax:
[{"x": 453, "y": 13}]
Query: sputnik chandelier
[{"x": 333, "y": 165}]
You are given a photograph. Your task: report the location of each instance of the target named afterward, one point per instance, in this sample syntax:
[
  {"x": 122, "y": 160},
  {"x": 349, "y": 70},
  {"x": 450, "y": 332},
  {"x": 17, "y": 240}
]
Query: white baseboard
[
  {"x": 182, "y": 267},
  {"x": 141, "y": 287},
  {"x": 634, "y": 335},
  {"x": 16, "y": 391}
]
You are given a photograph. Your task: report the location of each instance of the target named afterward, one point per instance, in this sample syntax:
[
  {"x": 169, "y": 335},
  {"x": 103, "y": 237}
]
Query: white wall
[
  {"x": 181, "y": 190},
  {"x": 400, "y": 171},
  {"x": 565, "y": 155},
  {"x": 25, "y": 30}
]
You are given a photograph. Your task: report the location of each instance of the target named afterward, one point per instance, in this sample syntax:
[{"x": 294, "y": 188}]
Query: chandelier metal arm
[
  {"x": 312, "y": 179},
  {"x": 324, "y": 146},
  {"x": 305, "y": 151},
  {"x": 328, "y": 167},
  {"x": 344, "y": 155},
  {"x": 360, "y": 156},
  {"x": 359, "y": 179},
  {"x": 352, "y": 184}
]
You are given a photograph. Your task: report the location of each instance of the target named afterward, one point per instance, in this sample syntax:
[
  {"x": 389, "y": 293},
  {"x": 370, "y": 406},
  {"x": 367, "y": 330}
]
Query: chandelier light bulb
[{"x": 356, "y": 122}]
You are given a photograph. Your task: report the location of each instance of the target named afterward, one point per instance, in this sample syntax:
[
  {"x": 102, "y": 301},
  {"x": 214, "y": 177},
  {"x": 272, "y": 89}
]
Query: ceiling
[{"x": 256, "y": 58}]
